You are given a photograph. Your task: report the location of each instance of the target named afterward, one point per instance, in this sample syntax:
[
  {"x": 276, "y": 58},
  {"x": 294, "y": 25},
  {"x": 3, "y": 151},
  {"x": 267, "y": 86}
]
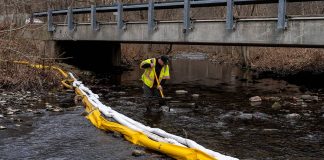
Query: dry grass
[
  {"x": 287, "y": 60},
  {"x": 21, "y": 77}
]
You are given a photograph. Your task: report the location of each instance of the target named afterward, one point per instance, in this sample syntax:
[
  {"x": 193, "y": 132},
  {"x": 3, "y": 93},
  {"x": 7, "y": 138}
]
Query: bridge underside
[
  {"x": 251, "y": 32},
  {"x": 93, "y": 55}
]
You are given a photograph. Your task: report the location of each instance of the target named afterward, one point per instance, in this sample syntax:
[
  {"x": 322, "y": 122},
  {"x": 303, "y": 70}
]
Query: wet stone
[
  {"x": 13, "y": 110},
  {"x": 245, "y": 116},
  {"x": 276, "y": 106},
  {"x": 117, "y": 135},
  {"x": 181, "y": 92},
  {"x": 309, "y": 98},
  {"x": 285, "y": 110},
  {"x": 276, "y": 99},
  {"x": 70, "y": 90},
  {"x": 255, "y": 99},
  {"x": 18, "y": 120},
  {"x": 3, "y": 127},
  {"x": 37, "y": 112},
  {"x": 306, "y": 97},
  {"x": 195, "y": 96},
  {"x": 57, "y": 110},
  {"x": 167, "y": 98},
  {"x": 9, "y": 113},
  {"x": 254, "y": 104},
  {"x": 261, "y": 116},
  {"x": 84, "y": 113},
  {"x": 77, "y": 99},
  {"x": 307, "y": 114},
  {"x": 1, "y": 116},
  {"x": 138, "y": 153},
  {"x": 121, "y": 93},
  {"x": 226, "y": 134},
  {"x": 303, "y": 104},
  {"x": 270, "y": 130},
  {"x": 293, "y": 116},
  {"x": 315, "y": 98}
]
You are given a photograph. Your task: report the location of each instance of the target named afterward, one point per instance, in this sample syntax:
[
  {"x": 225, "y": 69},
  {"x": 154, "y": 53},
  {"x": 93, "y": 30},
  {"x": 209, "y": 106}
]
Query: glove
[{"x": 159, "y": 87}]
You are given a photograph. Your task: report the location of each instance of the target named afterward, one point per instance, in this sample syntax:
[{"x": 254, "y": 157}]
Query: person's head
[{"x": 163, "y": 60}]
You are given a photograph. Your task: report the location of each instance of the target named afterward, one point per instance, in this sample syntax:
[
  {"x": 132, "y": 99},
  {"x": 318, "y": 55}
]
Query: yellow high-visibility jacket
[{"x": 148, "y": 75}]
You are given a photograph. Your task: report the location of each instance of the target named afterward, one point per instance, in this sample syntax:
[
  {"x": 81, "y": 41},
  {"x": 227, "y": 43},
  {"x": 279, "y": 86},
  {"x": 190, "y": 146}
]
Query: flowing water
[{"x": 222, "y": 118}]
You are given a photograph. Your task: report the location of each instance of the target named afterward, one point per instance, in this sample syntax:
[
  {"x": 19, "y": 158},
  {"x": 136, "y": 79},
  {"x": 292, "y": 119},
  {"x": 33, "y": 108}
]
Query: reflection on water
[{"x": 198, "y": 72}]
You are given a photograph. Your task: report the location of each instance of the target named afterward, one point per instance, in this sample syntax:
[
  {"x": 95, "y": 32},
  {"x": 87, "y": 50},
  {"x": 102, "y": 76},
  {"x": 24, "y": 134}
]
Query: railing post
[
  {"x": 50, "y": 26},
  {"x": 70, "y": 19},
  {"x": 150, "y": 17},
  {"x": 94, "y": 24},
  {"x": 229, "y": 15},
  {"x": 120, "y": 22},
  {"x": 282, "y": 15},
  {"x": 186, "y": 17}
]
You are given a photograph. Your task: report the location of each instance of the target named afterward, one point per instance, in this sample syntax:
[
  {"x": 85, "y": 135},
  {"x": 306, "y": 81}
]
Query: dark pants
[
  {"x": 150, "y": 92},
  {"x": 152, "y": 97}
]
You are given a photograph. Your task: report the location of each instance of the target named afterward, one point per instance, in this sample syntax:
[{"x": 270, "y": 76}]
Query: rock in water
[
  {"x": 181, "y": 91},
  {"x": 195, "y": 96},
  {"x": 276, "y": 106},
  {"x": 138, "y": 153},
  {"x": 255, "y": 99}
]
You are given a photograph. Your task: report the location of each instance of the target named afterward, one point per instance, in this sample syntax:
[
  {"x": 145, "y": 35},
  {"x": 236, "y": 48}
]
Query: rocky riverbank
[{"x": 17, "y": 108}]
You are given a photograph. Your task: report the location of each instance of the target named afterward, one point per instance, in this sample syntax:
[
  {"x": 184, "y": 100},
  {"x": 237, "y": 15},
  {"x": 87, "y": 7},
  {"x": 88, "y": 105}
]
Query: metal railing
[{"x": 151, "y": 6}]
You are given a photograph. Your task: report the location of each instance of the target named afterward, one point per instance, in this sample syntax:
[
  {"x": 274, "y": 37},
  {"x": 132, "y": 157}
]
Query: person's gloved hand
[{"x": 159, "y": 87}]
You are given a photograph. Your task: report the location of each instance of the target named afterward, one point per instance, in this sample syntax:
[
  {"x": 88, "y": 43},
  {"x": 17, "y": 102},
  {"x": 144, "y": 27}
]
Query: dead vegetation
[
  {"x": 21, "y": 77},
  {"x": 287, "y": 60}
]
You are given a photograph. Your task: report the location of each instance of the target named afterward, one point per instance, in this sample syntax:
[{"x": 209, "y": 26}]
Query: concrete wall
[{"x": 247, "y": 32}]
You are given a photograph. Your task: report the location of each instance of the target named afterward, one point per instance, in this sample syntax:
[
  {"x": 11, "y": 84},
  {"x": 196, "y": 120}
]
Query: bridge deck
[{"x": 302, "y": 31}]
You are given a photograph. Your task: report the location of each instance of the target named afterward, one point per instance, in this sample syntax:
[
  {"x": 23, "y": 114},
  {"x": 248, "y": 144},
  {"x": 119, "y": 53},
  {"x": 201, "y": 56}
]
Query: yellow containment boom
[{"x": 135, "y": 132}]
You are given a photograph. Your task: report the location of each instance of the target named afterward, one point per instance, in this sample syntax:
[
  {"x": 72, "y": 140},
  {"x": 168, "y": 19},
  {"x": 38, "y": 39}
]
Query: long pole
[{"x": 158, "y": 82}]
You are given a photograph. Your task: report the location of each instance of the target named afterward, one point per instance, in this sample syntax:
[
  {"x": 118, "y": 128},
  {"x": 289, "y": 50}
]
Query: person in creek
[{"x": 154, "y": 68}]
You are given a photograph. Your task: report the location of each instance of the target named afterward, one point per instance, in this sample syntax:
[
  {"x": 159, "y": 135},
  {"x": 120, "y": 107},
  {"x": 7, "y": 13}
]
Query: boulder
[
  {"x": 181, "y": 92},
  {"x": 255, "y": 99}
]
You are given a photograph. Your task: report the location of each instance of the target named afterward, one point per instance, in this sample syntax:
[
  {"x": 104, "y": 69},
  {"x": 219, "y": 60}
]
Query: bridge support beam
[
  {"x": 282, "y": 21},
  {"x": 50, "y": 26},
  {"x": 229, "y": 15},
  {"x": 150, "y": 17},
  {"x": 70, "y": 19},
  {"x": 94, "y": 23},
  {"x": 186, "y": 17},
  {"x": 120, "y": 21}
]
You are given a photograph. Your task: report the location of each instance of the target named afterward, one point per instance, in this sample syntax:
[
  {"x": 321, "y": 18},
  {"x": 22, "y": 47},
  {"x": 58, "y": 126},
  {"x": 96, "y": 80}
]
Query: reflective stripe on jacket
[{"x": 148, "y": 75}]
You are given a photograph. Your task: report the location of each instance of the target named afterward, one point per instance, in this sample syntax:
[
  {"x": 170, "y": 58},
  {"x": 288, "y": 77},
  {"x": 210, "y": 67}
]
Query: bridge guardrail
[{"x": 151, "y": 6}]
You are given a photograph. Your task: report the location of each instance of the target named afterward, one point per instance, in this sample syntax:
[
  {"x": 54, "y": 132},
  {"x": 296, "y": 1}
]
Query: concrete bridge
[{"x": 282, "y": 30}]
